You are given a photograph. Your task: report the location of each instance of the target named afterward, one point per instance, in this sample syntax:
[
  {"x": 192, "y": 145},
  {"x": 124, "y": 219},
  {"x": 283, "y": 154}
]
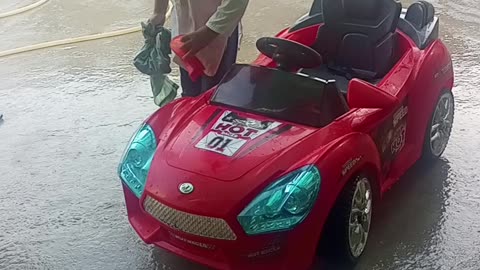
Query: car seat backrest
[
  {"x": 334, "y": 104},
  {"x": 420, "y": 14},
  {"x": 359, "y": 34},
  {"x": 316, "y": 7}
]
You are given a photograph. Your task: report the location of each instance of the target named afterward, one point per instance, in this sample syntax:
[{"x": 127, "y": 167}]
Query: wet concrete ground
[{"x": 69, "y": 111}]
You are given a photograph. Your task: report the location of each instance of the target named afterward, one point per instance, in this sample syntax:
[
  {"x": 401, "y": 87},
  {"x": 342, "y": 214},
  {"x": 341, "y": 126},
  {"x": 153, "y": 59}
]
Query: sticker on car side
[
  {"x": 232, "y": 131},
  {"x": 391, "y": 135}
]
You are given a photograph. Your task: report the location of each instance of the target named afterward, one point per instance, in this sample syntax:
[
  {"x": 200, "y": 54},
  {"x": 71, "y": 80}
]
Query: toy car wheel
[
  {"x": 440, "y": 127},
  {"x": 350, "y": 224}
]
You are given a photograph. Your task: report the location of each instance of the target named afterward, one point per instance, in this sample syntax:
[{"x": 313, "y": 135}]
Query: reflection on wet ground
[{"x": 70, "y": 110}]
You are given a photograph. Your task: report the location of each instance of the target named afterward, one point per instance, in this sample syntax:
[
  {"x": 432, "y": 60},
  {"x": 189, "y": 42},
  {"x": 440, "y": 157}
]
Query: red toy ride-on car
[{"x": 300, "y": 145}]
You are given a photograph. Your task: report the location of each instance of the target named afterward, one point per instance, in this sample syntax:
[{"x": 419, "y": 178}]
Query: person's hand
[
  {"x": 196, "y": 41},
  {"x": 157, "y": 19}
]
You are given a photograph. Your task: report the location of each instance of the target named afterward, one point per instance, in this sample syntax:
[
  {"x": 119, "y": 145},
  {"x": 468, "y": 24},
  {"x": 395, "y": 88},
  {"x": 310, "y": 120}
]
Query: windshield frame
[{"x": 317, "y": 120}]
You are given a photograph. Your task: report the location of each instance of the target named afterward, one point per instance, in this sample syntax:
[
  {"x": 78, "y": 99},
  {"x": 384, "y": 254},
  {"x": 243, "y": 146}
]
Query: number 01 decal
[
  {"x": 231, "y": 131},
  {"x": 221, "y": 144}
]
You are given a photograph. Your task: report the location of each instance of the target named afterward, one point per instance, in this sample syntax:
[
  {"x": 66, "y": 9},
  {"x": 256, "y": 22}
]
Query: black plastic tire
[{"x": 336, "y": 239}]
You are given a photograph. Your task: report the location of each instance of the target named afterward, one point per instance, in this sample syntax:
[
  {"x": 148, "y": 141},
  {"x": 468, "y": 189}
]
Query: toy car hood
[{"x": 226, "y": 144}]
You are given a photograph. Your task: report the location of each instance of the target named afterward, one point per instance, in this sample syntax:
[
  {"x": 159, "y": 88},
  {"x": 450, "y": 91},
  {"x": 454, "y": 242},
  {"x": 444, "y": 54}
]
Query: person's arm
[
  {"x": 227, "y": 17},
  {"x": 222, "y": 22},
  {"x": 159, "y": 12}
]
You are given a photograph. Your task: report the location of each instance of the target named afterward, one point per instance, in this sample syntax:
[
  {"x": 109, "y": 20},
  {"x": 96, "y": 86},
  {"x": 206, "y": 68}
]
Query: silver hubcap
[
  {"x": 441, "y": 125},
  {"x": 360, "y": 217}
]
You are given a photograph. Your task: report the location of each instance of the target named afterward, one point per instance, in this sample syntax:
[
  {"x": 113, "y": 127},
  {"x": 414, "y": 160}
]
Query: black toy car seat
[
  {"x": 420, "y": 13},
  {"x": 358, "y": 38},
  {"x": 420, "y": 24}
]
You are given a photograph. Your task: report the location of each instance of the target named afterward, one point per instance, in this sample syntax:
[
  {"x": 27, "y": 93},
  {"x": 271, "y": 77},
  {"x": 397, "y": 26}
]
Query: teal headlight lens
[
  {"x": 283, "y": 204},
  {"x": 136, "y": 161}
]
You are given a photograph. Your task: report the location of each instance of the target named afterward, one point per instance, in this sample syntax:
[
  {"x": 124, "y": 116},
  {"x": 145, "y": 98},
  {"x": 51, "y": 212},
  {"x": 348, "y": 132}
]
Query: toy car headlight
[
  {"x": 284, "y": 204},
  {"x": 136, "y": 160}
]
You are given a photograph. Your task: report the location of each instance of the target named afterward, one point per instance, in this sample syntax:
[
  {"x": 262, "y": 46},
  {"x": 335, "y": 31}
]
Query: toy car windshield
[{"x": 279, "y": 94}]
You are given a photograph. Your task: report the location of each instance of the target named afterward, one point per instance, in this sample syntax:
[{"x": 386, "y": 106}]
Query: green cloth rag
[{"x": 154, "y": 60}]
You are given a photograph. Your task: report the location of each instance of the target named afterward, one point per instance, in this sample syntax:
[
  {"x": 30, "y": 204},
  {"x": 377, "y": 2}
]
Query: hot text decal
[{"x": 231, "y": 131}]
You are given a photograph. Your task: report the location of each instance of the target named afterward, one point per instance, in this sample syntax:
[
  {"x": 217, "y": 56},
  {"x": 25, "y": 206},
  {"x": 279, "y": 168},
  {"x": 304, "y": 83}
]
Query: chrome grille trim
[{"x": 209, "y": 227}]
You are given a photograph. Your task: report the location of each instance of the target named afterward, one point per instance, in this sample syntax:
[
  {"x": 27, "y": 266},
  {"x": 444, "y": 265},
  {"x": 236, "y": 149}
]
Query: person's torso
[
  {"x": 193, "y": 14},
  {"x": 189, "y": 16}
]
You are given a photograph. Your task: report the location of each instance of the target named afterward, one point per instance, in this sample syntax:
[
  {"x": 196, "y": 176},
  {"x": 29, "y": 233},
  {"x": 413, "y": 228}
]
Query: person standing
[{"x": 211, "y": 33}]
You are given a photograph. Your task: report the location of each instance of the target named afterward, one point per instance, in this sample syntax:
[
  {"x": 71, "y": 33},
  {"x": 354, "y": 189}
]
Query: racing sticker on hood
[{"x": 231, "y": 132}]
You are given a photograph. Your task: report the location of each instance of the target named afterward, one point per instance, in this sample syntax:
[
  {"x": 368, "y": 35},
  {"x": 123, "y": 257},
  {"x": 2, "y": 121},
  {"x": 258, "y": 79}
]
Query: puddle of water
[{"x": 68, "y": 113}]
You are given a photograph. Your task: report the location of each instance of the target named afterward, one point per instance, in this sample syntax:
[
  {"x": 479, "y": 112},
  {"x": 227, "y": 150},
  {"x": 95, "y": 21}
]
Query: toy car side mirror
[{"x": 362, "y": 94}]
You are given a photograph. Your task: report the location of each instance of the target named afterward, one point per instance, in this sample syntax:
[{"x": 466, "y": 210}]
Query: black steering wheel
[{"x": 289, "y": 54}]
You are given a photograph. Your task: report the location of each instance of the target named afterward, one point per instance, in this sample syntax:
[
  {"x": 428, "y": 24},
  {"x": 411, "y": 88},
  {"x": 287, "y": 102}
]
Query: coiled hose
[
  {"x": 22, "y": 9},
  {"x": 66, "y": 41}
]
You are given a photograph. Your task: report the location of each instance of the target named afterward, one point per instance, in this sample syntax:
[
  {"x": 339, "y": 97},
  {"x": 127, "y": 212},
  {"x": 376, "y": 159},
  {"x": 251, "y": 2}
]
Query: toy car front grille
[{"x": 193, "y": 224}]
